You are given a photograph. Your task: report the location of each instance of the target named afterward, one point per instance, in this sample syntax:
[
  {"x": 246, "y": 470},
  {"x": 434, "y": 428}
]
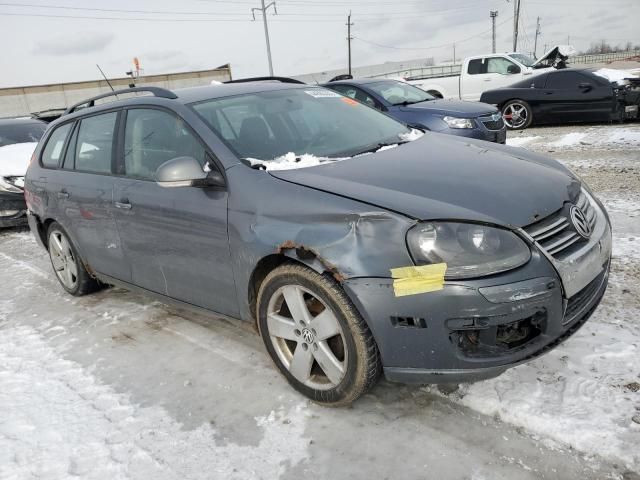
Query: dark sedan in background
[
  {"x": 565, "y": 96},
  {"x": 418, "y": 108},
  {"x": 18, "y": 139}
]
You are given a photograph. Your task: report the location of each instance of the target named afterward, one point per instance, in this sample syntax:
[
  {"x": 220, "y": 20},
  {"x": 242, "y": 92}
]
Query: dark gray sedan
[{"x": 355, "y": 244}]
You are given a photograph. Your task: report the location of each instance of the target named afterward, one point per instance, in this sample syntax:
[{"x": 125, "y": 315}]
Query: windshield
[
  {"x": 20, "y": 133},
  {"x": 314, "y": 121},
  {"x": 398, "y": 93},
  {"x": 525, "y": 60}
]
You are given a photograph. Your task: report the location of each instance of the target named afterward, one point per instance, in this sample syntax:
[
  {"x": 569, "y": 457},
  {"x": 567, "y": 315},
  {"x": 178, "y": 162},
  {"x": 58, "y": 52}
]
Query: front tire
[
  {"x": 315, "y": 336},
  {"x": 67, "y": 264},
  {"x": 517, "y": 114}
]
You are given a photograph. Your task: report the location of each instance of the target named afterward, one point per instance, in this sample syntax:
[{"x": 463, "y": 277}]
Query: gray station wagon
[{"x": 356, "y": 245}]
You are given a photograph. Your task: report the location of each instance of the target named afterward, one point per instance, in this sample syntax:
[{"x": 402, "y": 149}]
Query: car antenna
[{"x": 107, "y": 80}]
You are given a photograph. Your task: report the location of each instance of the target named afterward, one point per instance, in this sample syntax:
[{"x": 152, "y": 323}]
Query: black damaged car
[{"x": 567, "y": 96}]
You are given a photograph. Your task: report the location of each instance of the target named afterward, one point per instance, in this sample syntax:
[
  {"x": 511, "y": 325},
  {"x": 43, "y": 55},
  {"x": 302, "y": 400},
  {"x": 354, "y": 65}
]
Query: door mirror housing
[
  {"x": 187, "y": 172},
  {"x": 511, "y": 69},
  {"x": 586, "y": 86}
]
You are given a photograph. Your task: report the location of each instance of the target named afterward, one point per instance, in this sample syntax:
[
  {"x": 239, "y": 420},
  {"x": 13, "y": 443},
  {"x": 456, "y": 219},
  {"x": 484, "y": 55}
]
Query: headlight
[
  {"x": 469, "y": 250},
  {"x": 5, "y": 186},
  {"x": 455, "y": 122}
]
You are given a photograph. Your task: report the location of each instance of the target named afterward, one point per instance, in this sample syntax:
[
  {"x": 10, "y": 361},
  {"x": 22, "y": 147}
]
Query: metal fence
[{"x": 436, "y": 71}]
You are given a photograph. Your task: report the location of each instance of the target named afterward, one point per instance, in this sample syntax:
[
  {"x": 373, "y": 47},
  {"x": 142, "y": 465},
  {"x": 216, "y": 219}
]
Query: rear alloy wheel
[
  {"x": 517, "y": 114},
  {"x": 315, "y": 336},
  {"x": 67, "y": 265}
]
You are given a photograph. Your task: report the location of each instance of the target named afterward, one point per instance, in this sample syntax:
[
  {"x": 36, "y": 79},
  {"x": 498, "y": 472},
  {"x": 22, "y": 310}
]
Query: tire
[
  {"x": 298, "y": 343},
  {"x": 67, "y": 264},
  {"x": 523, "y": 112}
]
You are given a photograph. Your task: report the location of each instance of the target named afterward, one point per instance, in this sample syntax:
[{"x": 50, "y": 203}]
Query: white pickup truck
[{"x": 495, "y": 70}]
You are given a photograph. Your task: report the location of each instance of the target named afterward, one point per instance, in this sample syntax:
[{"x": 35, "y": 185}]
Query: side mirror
[
  {"x": 513, "y": 69},
  {"x": 586, "y": 86},
  {"x": 187, "y": 172}
]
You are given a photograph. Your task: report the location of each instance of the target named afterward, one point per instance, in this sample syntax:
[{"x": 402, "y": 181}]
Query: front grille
[
  {"x": 577, "y": 303},
  {"x": 556, "y": 234},
  {"x": 491, "y": 124}
]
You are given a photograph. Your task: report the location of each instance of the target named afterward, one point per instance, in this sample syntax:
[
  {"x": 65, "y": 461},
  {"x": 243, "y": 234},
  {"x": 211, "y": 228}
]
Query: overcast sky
[{"x": 41, "y": 46}]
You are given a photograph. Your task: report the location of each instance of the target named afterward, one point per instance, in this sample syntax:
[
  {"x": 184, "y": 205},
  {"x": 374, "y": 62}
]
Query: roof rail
[
  {"x": 266, "y": 79},
  {"x": 346, "y": 76},
  {"x": 90, "y": 102}
]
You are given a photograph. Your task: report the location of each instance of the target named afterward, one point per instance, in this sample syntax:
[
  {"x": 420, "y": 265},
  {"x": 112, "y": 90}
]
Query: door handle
[
  {"x": 122, "y": 205},
  {"x": 548, "y": 93},
  {"x": 487, "y": 79},
  {"x": 63, "y": 194}
]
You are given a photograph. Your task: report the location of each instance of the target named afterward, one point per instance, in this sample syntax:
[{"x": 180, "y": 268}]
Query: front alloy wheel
[{"x": 315, "y": 335}]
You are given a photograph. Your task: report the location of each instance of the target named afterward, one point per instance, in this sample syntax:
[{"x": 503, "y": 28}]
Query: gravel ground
[{"x": 114, "y": 385}]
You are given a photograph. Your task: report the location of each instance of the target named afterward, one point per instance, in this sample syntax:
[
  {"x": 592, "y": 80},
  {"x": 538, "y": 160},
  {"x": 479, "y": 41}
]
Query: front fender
[{"x": 329, "y": 233}]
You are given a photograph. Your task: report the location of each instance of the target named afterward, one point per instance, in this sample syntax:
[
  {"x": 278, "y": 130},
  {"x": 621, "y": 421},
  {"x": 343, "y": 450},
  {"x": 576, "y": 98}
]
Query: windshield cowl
[{"x": 291, "y": 160}]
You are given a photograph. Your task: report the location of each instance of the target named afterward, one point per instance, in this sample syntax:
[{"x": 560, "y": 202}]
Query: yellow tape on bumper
[{"x": 414, "y": 280}]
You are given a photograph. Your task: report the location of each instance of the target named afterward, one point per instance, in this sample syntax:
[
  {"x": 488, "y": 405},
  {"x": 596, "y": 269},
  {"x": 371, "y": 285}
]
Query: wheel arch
[{"x": 287, "y": 253}]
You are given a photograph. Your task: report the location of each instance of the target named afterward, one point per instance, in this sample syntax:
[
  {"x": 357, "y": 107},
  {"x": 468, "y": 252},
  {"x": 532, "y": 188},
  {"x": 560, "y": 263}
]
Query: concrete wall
[
  {"x": 365, "y": 71},
  {"x": 25, "y": 100}
]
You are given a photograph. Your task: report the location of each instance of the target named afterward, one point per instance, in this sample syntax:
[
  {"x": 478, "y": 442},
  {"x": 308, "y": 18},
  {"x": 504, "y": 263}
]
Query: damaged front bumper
[{"x": 476, "y": 329}]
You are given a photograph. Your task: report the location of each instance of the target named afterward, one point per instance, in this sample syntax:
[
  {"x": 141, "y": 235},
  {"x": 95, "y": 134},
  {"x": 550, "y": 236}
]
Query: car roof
[{"x": 187, "y": 95}]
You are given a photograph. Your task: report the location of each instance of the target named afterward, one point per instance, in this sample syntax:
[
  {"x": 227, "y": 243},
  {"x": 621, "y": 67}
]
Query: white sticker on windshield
[{"x": 322, "y": 93}]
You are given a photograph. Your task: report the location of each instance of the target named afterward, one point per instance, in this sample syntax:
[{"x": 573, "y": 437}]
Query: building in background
[
  {"x": 366, "y": 71},
  {"x": 19, "y": 101}
]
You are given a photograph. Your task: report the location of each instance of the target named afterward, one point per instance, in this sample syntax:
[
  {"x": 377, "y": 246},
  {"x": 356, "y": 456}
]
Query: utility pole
[
  {"x": 535, "y": 43},
  {"x": 349, "y": 38},
  {"x": 263, "y": 10},
  {"x": 516, "y": 18},
  {"x": 454, "y": 53},
  {"x": 493, "y": 14}
]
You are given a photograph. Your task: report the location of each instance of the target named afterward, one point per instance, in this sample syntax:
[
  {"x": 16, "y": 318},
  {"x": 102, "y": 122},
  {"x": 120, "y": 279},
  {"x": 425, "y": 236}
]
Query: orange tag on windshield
[{"x": 350, "y": 101}]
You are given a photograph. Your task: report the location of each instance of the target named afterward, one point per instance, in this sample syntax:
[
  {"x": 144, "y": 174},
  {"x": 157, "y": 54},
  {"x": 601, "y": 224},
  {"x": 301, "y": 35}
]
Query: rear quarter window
[{"x": 53, "y": 149}]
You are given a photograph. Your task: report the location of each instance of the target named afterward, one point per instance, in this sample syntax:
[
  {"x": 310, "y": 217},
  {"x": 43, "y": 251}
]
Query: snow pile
[
  {"x": 15, "y": 158},
  {"x": 58, "y": 422},
  {"x": 569, "y": 139},
  {"x": 291, "y": 161},
  {"x": 613, "y": 75},
  {"x": 521, "y": 141},
  {"x": 414, "y": 134}
]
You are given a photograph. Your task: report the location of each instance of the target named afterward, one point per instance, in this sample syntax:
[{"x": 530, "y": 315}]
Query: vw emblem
[
  {"x": 307, "y": 335},
  {"x": 580, "y": 222}
]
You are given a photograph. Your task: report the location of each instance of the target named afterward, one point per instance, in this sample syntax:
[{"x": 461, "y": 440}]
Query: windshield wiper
[
  {"x": 409, "y": 102},
  {"x": 378, "y": 146}
]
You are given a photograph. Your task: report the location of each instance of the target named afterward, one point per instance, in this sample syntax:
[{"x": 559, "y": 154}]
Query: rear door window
[
  {"x": 563, "y": 81},
  {"x": 153, "y": 137},
  {"x": 94, "y": 145},
  {"x": 477, "y": 66},
  {"x": 53, "y": 150}
]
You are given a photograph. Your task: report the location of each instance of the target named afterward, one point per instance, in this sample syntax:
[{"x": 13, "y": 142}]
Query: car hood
[
  {"x": 451, "y": 107},
  {"x": 15, "y": 158},
  {"x": 445, "y": 177}
]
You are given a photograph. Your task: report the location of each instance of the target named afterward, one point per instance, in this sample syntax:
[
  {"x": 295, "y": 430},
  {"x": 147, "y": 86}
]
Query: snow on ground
[{"x": 58, "y": 422}]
